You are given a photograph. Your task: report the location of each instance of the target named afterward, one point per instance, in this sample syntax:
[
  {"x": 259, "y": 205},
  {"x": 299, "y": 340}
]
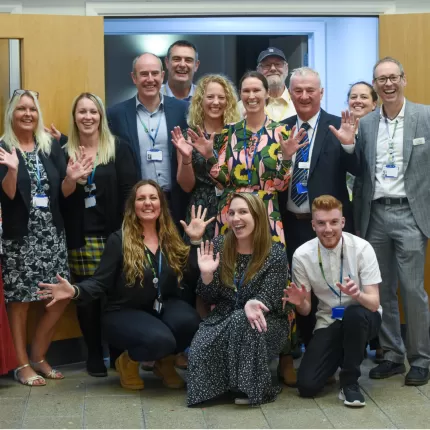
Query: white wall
[{"x": 285, "y": 7}]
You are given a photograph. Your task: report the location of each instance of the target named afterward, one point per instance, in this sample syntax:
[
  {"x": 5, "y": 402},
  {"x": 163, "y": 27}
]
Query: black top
[
  {"x": 15, "y": 213},
  {"x": 109, "y": 279},
  {"x": 113, "y": 184}
]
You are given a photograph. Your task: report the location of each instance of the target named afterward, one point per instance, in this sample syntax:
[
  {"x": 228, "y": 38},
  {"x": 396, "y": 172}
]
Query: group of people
[{"x": 174, "y": 217}]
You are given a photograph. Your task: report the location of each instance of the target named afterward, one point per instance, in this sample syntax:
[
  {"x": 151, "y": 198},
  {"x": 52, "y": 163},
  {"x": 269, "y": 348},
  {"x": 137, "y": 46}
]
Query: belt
[
  {"x": 301, "y": 215},
  {"x": 392, "y": 201}
]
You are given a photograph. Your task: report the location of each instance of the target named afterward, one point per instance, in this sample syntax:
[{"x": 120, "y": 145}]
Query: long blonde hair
[
  {"x": 106, "y": 147},
  {"x": 42, "y": 138},
  {"x": 261, "y": 238},
  {"x": 196, "y": 114},
  {"x": 171, "y": 244}
]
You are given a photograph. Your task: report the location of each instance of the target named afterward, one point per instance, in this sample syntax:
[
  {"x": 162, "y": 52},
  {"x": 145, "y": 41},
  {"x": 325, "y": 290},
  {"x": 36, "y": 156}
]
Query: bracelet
[
  {"x": 196, "y": 242},
  {"x": 187, "y": 164},
  {"x": 77, "y": 292}
]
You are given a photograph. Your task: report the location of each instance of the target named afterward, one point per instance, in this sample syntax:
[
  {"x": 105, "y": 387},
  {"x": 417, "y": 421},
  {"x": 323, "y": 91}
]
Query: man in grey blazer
[{"x": 393, "y": 202}]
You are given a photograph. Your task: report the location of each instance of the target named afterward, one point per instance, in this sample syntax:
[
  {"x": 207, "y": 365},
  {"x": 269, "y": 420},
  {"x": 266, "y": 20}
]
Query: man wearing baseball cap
[{"x": 273, "y": 65}]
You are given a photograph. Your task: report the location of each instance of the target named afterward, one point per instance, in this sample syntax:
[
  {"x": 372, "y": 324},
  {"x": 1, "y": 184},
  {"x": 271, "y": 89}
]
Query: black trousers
[
  {"x": 149, "y": 336},
  {"x": 297, "y": 232},
  {"x": 341, "y": 344}
]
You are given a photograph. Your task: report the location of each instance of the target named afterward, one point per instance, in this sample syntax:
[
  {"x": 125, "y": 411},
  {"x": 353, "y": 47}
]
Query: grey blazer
[{"x": 416, "y": 166}]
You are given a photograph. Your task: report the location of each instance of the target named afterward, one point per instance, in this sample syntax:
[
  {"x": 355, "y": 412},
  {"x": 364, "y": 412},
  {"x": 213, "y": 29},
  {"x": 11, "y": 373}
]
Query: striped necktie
[{"x": 300, "y": 175}]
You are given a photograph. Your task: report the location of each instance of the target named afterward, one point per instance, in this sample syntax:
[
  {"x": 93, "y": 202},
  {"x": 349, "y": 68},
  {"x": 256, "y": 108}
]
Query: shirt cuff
[{"x": 349, "y": 148}]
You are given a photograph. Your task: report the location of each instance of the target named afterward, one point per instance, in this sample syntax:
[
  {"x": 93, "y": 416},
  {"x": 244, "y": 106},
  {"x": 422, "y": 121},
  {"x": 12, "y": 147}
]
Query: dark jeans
[
  {"x": 340, "y": 344},
  {"x": 149, "y": 336}
]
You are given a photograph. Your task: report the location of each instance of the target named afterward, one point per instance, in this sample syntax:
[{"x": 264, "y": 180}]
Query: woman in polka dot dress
[{"x": 243, "y": 273}]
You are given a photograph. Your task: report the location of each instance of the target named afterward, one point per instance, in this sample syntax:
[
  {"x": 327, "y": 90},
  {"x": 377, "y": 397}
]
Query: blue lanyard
[
  {"x": 155, "y": 280},
  {"x": 338, "y": 294},
  {"x": 238, "y": 283},
  {"x": 307, "y": 149},
  {"x": 259, "y": 133},
  {"x": 151, "y": 137}
]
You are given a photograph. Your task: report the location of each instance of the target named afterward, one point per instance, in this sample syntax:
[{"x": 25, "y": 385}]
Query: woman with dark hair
[
  {"x": 35, "y": 184},
  {"x": 140, "y": 272},
  {"x": 100, "y": 213},
  {"x": 243, "y": 273}
]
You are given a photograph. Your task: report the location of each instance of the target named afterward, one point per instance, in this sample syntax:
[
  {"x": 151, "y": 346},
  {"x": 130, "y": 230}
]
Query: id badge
[
  {"x": 90, "y": 202},
  {"x": 302, "y": 188},
  {"x": 158, "y": 306},
  {"x": 154, "y": 155},
  {"x": 304, "y": 165},
  {"x": 218, "y": 192},
  {"x": 40, "y": 201},
  {"x": 337, "y": 312},
  {"x": 90, "y": 187},
  {"x": 391, "y": 171}
]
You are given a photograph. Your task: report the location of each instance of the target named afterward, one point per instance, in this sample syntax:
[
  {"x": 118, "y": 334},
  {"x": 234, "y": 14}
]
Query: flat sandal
[
  {"x": 52, "y": 374},
  {"x": 29, "y": 381}
]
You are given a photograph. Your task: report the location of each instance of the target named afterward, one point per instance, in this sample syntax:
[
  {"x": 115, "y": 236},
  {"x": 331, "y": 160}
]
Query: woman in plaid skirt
[{"x": 100, "y": 213}]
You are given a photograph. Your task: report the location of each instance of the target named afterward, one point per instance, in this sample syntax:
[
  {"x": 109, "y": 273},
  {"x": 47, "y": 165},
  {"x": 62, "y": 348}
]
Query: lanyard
[
  {"x": 151, "y": 137},
  {"x": 155, "y": 280},
  {"x": 338, "y": 294},
  {"x": 306, "y": 149},
  {"x": 90, "y": 179},
  {"x": 39, "y": 182},
  {"x": 258, "y": 134},
  {"x": 391, "y": 158}
]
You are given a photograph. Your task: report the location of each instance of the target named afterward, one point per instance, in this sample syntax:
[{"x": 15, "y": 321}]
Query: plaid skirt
[{"x": 84, "y": 261}]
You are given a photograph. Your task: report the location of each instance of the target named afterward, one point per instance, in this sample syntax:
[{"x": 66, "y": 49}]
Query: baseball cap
[{"x": 271, "y": 52}]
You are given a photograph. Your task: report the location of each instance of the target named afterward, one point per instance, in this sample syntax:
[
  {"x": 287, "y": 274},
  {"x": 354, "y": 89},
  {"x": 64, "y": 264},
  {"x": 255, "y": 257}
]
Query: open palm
[
  {"x": 348, "y": 127},
  {"x": 294, "y": 294},
  {"x": 9, "y": 159},
  {"x": 203, "y": 145},
  {"x": 61, "y": 291},
  {"x": 183, "y": 146},
  {"x": 205, "y": 258},
  {"x": 197, "y": 226}
]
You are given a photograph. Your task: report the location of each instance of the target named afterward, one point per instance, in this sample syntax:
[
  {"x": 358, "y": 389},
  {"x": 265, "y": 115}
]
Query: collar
[
  {"x": 336, "y": 250},
  {"x": 165, "y": 90},
  {"x": 284, "y": 96},
  {"x": 312, "y": 122},
  {"x": 400, "y": 115},
  {"x": 139, "y": 103}
]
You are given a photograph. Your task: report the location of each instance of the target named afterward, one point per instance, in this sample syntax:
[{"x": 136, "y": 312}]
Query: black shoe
[
  {"x": 386, "y": 369},
  {"x": 417, "y": 376},
  {"x": 96, "y": 368},
  {"x": 351, "y": 396}
]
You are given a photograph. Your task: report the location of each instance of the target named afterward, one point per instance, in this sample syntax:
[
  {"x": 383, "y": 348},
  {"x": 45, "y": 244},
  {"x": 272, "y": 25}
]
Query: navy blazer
[
  {"x": 123, "y": 124},
  {"x": 329, "y": 164}
]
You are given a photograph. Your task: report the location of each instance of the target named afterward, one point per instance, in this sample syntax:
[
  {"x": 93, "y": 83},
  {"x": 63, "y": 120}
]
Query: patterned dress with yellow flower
[{"x": 252, "y": 162}]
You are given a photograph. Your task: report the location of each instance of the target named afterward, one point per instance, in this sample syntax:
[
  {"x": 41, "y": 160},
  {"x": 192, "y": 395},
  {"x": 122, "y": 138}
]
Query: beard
[{"x": 275, "y": 82}]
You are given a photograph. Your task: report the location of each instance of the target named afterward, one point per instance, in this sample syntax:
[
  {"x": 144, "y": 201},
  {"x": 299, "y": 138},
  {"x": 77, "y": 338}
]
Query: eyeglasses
[
  {"x": 382, "y": 80},
  {"x": 268, "y": 66},
  {"x": 22, "y": 92}
]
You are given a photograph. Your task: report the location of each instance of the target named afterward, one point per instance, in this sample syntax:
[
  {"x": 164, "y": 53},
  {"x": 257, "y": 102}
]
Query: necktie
[{"x": 300, "y": 175}]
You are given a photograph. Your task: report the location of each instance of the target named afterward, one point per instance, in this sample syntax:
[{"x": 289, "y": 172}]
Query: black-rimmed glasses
[{"x": 395, "y": 79}]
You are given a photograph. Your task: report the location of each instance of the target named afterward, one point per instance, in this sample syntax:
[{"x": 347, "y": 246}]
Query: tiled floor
[{"x": 80, "y": 401}]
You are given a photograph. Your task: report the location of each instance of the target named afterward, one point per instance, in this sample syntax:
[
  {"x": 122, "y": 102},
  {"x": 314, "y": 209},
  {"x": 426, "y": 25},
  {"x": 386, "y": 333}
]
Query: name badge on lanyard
[
  {"x": 152, "y": 154},
  {"x": 158, "y": 302},
  {"x": 40, "y": 200},
  {"x": 390, "y": 170}
]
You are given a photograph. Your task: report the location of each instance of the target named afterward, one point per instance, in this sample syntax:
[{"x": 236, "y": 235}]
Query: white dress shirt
[
  {"x": 390, "y": 187},
  {"x": 359, "y": 263}
]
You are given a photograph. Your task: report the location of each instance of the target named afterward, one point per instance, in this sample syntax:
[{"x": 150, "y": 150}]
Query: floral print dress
[
  {"x": 252, "y": 162},
  {"x": 40, "y": 255}
]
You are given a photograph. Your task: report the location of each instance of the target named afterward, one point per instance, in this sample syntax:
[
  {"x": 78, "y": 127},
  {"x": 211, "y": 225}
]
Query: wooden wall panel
[
  {"x": 61, "y": 56},
  {"x": 4, "y": 78},
  {"x": 406, "y": 38}
]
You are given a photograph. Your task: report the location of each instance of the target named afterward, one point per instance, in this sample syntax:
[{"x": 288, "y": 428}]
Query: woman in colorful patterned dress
[
  {"x": 214, "y": 104},
  {"x": 35, "y": 185},
  {"x": 255, "y": 158}
]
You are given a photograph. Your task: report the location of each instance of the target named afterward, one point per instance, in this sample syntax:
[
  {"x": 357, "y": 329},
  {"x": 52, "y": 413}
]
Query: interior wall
[
  {"x": 60, "y": 58},
  {"x": 4, "y": 77}
]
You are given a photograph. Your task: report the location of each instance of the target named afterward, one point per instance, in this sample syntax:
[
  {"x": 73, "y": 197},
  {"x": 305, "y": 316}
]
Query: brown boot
[
  {"x": 181, "y": 361},
  {"x": 165, "y": 369},
  {"x": 287, "y": 371},
  {"x": 128, "y": 372}
]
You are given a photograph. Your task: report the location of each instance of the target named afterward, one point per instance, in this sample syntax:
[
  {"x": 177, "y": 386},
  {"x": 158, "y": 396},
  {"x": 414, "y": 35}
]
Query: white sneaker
[
  {"x": 241, "y": 401},
  {"x": 352, "y": 396}
]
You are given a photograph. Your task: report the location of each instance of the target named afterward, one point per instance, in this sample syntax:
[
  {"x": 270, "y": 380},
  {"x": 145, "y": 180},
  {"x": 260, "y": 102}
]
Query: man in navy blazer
[
  {"x": 145, "y": 122},
  {"x": 320, "y": 170}
]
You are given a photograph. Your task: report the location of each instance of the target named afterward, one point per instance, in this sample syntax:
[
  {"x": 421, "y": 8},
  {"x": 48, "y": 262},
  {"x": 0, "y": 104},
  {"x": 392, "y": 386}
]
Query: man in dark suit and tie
[
  {"x": 319, "y": 168},
  {"x": 145, "y": 121}
]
